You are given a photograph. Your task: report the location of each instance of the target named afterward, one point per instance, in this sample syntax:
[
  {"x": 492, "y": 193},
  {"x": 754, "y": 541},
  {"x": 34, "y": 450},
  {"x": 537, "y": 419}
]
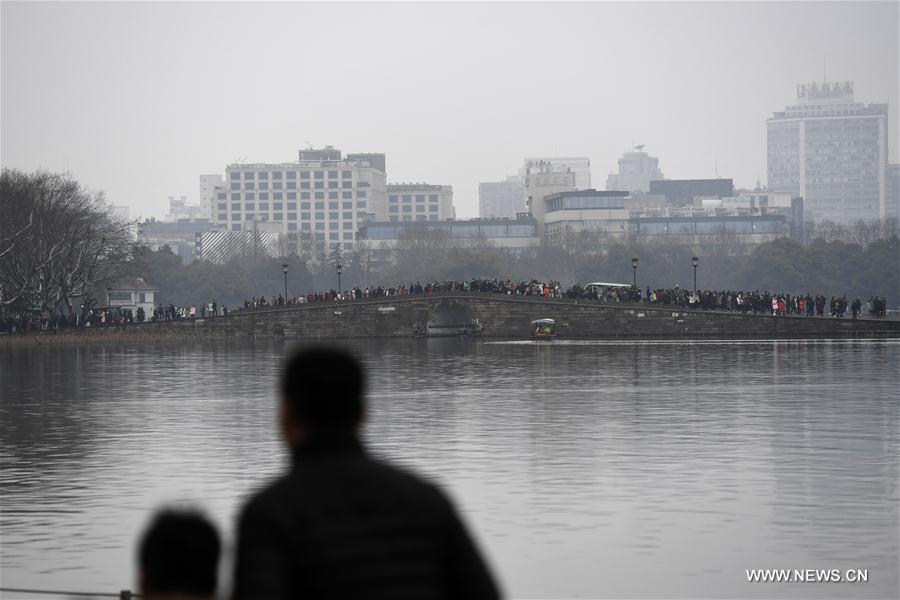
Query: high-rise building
[
  {"x": 541, "y": 179},
  {"x": 636, "y": 170},
  {"x": 501, "y": 199},
  {"x": 832, "y": 152},
  {"x": 893, "y": 192},
  {"x": 580, "y": 166},
  {"x": 208, "y": 190},
  {"x": 416, "y": 202},
  {"x": 318, "y": 201}
]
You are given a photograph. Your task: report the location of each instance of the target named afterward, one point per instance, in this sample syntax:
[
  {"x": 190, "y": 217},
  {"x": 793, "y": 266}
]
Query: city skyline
[{"x": 139, "y": 100}]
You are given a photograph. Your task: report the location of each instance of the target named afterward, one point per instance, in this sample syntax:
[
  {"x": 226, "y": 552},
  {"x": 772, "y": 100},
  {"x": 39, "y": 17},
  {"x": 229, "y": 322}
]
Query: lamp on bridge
[
  {"x": 284, "y": 269},
  {"x": 634, "y": 263},
  {"x": 340, "y": 269},
  {"x": 694, "y": 262}
]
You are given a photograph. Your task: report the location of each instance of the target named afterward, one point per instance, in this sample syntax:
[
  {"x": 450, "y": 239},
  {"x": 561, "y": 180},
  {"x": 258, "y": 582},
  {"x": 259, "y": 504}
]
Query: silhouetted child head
[{"x": 179, "y": 556}]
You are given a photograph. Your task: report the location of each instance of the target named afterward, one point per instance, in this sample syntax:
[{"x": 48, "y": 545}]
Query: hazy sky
[{"x": 139, "y": 99}]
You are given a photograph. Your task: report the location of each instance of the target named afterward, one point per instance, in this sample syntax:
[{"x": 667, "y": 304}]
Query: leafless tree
[{"x": 59, "y": 240}]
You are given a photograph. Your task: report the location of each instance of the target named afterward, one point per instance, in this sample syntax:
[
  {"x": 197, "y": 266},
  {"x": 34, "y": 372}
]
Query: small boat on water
[{"x": 543, "y": 329}]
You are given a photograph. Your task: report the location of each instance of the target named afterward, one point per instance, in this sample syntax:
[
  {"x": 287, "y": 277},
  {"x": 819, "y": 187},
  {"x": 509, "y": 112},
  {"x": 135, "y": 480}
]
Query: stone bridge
[{"x": 502, "y": 316}]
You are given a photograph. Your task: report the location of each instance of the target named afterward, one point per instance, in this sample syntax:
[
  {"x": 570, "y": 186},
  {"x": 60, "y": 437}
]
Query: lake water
[{"x": 638, "y": 470}]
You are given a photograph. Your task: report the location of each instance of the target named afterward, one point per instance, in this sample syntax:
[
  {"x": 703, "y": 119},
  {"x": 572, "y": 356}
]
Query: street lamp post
[
  {"x": 108, "y": 305},
  {"x": 340, "y": 269},
  {"x": 284, "y": 269},
  {"x": 694, "y": 262},
  {"x": 634, "y": 264}
]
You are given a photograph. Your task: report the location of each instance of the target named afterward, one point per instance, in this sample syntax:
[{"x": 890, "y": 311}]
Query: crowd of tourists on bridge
[
  {"x": 756, "y": 302},
  {"x": 549, "y": 289}
]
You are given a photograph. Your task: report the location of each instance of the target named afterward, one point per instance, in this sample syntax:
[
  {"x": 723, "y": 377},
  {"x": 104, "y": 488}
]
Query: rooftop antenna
[
  {"x": 309, "y": 146},
  {"x": 716, "y": 164}
]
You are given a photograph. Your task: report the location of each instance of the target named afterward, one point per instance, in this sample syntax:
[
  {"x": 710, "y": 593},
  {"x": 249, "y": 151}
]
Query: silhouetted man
[
  {"x": 178, "y": 557},
  {"x": 341, "y": 524}
]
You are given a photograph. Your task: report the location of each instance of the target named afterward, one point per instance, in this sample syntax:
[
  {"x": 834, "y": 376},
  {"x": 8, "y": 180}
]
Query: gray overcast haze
[{"x": 139, "y": 99}]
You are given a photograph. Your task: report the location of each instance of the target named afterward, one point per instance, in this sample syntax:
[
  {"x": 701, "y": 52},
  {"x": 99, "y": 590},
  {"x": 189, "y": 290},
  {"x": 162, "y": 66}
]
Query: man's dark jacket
[{"x": 342, "y": 525}]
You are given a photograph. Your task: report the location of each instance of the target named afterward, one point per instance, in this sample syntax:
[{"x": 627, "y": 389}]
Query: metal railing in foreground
[{"x": 123, "y": 595}]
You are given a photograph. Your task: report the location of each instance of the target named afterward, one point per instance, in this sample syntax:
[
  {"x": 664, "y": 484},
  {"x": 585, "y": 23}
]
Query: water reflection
[{"x": 586, "y": 469}]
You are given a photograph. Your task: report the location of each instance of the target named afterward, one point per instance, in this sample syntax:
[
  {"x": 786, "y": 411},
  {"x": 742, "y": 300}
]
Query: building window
[
  {"x": 320, "y": 237},
  {"x": 332, "y": 205},
  {"x": 304, "y": 216},
  {"x": 292, "y": 195},
  {"x": 263, "y": 175},
  {"x": 421, "y": 218},
  {"x": 248, "y": 175},
  {"x": 320, "y": 195},
  {"x": 348, "y": 235},
  {"x": 407, "y": 209},
  {"x": 305, "y": 195},
  {"x": 320, "y": 216},
  {"x": 292, "y": 216},
  {"x": 320, "y": 226},
  {"x": 236, "y": 227},
  {"x": 235, "y": 186},
  {"x": 292, "y": 185},
  {"x": 433, "y": 208},
  {"x": 420, "y": 208},
  {"x": 222, "y": 195},
  {"x": 276, "y": 185},
  {"x": 276, "y": 175},
  {"x": 304, "y": 174},
  {"x": 292, "y": 206},
  {"x": 320, "y": 185},
  {"x": 420, "y": 197},
  {"x": 332, "y": 185},
  {"x": 394, "y": 209},
  {"x": 264, "y": 206},
  {"x": 277, "y": 216},
  {"x": 236, "y": 206},
  {"x": 292, "y": 226},
  {"x": 432, "y": 198},
  {"x": 333, "y": 216},
  {"x": 395, "y": 218},
  {"x": 346, "y": 174},
  {"x": 360, "y": 194},
  {"x": 346, "y": 195},
  {"x": 222, "y": 205},
  {"x": 407, "y": 198},
  {"x": 235, "y": 175},
  {"x": 304, "y": 185},
  {"x": 223, "y": 217},
  {"x": 346, "y": 205},
  {"x": 320, "y": 206},
  {"x": 393, "y": 199},
  {"x": 304, "y": 206},
  {"x": 250, "y": 206},
  {"x": 360, "y": 204},
  {"x": 319, "y": 174},
  {"x": 264, "y": 195},
  {"x": 249, "y": 196},
  {"x": 332, "y": 174},
  {"x": 334, "y": 236},
  {"x": 292, "y": 174},
  {"x": 348, "y": 224},
  {"x": 332, "y": 195},
  {"x": 333, "y": 225}
]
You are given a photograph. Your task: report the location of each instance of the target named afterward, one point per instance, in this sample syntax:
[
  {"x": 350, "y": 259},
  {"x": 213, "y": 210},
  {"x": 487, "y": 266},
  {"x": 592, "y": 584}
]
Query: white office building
[
  {"x": 501, "y": 199},
  {"x": 832, "y": 152},
  {"x": 636, "y": 170},
  {"x": 416, "y": 202},
  {"x": 318, "y": 201}
]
